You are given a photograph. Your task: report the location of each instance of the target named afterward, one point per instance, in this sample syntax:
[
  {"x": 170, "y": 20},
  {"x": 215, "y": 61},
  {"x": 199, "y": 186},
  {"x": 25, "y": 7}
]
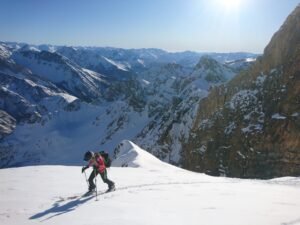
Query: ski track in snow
[{"x": 126, "y": 188}]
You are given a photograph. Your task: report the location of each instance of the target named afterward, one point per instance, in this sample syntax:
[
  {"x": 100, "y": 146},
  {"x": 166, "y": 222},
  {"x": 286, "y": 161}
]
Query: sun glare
[{"x": 230, "y": 4}]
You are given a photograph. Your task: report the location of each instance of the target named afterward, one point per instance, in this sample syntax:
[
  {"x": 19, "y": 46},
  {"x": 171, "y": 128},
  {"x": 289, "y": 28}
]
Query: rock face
[
  {"x": 7, "y": 124},
  {"x": 250, "y": 127}
]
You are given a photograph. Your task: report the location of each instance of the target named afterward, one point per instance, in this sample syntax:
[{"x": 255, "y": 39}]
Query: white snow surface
[
  {"x": 131, "y": 155},
  {"x": 147, "y": 195}
]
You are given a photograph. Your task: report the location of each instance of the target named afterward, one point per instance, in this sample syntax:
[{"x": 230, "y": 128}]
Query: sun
[{"x": 230, "y": 4}]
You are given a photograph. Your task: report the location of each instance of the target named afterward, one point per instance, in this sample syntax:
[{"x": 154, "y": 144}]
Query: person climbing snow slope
[{"x": 97, "y": 161}]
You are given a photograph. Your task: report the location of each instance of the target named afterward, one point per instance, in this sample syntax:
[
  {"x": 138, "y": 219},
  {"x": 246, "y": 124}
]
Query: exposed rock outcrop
[
  {"x": 7, "y": 124},
  {"x": 251, "y": 126}
]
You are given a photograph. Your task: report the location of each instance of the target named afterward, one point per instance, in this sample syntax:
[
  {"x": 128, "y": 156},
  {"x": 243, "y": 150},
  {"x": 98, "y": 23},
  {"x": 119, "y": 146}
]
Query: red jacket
[{"x": 98, "y": 162}]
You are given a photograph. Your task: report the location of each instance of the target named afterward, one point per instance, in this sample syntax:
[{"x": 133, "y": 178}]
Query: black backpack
[{"x": 107, "y": 160}]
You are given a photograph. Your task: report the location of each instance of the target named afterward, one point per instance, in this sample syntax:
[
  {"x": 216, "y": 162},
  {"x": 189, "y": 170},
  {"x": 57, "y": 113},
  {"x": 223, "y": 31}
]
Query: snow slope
[
  {"x": 145, "y": 195},
  {"x": 129, "y": 154}
]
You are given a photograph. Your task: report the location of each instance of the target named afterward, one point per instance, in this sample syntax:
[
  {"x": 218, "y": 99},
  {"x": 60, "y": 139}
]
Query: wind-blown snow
[{"x": 148, "y": 194}]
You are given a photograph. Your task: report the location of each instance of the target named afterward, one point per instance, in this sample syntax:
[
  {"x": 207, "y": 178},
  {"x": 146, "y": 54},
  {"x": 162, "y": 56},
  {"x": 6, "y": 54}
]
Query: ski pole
[{"x": 96, "y": 184}]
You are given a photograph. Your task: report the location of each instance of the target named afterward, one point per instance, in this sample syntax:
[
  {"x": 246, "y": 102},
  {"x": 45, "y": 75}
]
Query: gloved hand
[{"x": 84, "y": 168}]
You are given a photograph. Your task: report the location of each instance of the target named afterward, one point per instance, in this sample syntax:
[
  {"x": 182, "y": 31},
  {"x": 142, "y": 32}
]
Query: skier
[{"x": 98, "y": 163}]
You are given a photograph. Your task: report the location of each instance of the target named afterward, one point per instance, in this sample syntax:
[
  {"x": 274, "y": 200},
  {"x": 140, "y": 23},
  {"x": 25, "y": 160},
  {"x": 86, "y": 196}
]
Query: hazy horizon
[
  {"x": 172, "y": 25},
  {"x": 86, "y": 46}
]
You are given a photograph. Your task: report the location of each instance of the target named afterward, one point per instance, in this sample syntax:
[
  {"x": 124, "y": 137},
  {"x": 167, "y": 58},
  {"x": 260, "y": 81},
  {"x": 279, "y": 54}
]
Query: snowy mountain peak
[{"x": 128, "y": 154}]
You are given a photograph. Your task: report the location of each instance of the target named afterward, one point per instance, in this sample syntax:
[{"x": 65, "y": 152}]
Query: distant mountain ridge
[
  {"x": 61, "y": 100},
  {"x": 150, "y": 55}
]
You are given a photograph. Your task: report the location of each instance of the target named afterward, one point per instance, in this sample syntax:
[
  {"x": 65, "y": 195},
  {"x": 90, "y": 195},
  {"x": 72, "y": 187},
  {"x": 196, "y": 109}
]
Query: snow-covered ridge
[{"x": 128, "y": 154}]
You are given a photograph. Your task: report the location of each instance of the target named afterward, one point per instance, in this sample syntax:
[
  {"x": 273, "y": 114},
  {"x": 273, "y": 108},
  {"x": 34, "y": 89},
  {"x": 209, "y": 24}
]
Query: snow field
[{"x": 45, "y": 194}]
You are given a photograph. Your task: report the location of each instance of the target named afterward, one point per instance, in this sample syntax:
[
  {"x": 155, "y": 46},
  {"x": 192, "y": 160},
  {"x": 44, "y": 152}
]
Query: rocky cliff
[{"x": 250, "y": 127}]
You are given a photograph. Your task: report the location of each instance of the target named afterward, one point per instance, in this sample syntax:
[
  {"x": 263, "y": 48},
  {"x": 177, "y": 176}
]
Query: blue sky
[{"x": 173, "y": 25}]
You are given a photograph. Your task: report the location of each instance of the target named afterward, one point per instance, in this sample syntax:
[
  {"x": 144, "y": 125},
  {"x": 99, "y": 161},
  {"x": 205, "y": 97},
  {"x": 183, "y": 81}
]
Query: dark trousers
[{"x": 103, "y": 175}]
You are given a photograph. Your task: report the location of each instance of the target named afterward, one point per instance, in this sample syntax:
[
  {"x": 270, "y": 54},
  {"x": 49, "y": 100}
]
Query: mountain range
[
  {"x": 58, "y": 101},
  {"x": 225, "y": 114}
]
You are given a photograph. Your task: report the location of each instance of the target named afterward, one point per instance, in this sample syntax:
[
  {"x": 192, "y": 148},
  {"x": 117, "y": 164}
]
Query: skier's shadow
[{"x": 58, "y": 209}]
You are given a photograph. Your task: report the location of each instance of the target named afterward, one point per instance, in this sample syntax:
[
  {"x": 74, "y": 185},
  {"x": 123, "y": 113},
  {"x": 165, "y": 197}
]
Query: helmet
[{"x": 88, "y": 155}]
